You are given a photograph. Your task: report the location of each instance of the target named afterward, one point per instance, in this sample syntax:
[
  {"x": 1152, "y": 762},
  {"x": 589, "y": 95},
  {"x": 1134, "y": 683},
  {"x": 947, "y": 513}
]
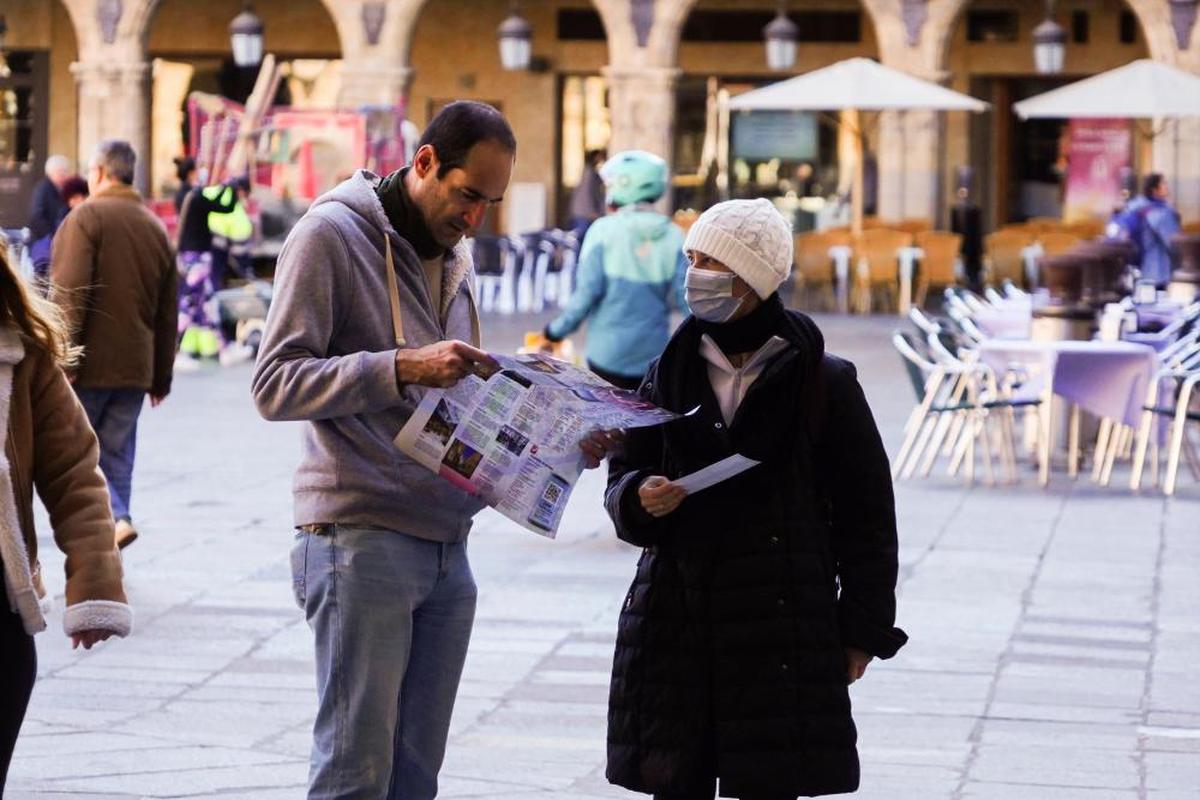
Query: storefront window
[
  {"x": 23, "y": 132},
  {"x": 790, "y": 157},
  {"x": 584, "y": 128},
  {"x": 585, "y": 124},
  {"x": 16, "y": 127},
  {"x": 17, "y": 107}
]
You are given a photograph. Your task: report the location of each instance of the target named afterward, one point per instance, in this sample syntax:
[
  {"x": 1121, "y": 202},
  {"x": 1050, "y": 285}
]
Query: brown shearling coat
[
  {"x": 112, "y": 273},
  {"x": 51, "y": 447}
]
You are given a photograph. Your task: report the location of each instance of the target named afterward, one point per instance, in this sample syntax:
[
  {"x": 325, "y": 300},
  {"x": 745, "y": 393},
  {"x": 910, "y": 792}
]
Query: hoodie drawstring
[{"x": 393, "y": 293}]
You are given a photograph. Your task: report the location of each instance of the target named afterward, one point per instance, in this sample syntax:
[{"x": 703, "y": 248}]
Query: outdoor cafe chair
[
  {"x": 514, "y": 249},
  {"x": 1085, "y": 229},
  {"x": 1004, "y": 256},
  {"x": 1044, "y": 224},
  {"x": 1184, "y": 413},
  {"x": 939, "y": 264},
  {"x": 1178, "y": 348},
  {"x": 1180, "y": 371},
  {"x": 876, "y": 253},
  {"x": 975, "y": 303},
  {"x": 1169, "y": 336},
  {"x": 949, "y": 349},
  {"x": 1055, "y": 243},
  {"x": 553, "y": 267},
  {"x": 938, "y": 389},
  {"x": 957, "y": 345},
  {"x": 923, "y": 322},
  {"x": 955, "y": 397},
  {"x": 492, "y": 265},
  {"x": 1014, "y": 292},
  {"x": 961, "y": 311},
  {"x": 913, "y": 225},
  {"x": 17, "y": 242},
  {"x": 814, "y": 267},
  {"x": 568, "y": 261},
  {"x": 964, "y": 326}
]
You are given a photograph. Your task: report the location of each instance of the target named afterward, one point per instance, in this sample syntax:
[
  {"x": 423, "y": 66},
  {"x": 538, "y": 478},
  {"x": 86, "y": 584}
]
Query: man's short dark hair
[
  {"x": 117, "y": 158},
  {"x": 1151, "y": 184},
  {"x": 460, "y": 126}
]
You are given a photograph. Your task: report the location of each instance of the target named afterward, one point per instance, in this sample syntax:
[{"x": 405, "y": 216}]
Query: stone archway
[
  {"x": 113, "y": 73},
  {"x": 189, "y": 53},
  {"x": 1153, "y": 16}
]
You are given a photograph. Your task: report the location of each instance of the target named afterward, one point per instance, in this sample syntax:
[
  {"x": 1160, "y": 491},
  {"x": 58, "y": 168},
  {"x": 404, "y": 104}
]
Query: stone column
[
  {"x": 1177, "y": 148},
  {"x": 913, "y": 37},
  {"x": 376, "y": 40},
  {"x": 114, "y": 103},
  {"x": 1177, "y": 157},
  {"x": 909, "y": 164},
  {"x": 373, "y": 82},
  {"x": 642, "y": 108}
]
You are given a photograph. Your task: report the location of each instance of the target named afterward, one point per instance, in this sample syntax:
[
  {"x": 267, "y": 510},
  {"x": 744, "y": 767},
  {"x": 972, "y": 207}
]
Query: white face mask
[{"x": 710, "y": 294}]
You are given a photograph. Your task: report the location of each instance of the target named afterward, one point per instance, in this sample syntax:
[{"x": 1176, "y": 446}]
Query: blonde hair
[{"x": 38, "y": 319}]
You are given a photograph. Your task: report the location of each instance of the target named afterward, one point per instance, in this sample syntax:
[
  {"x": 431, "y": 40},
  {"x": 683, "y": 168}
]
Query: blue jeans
[
  {"x": 392, "y": 616},
  {"x": 114, "y": 417},
  {"x": 39, "y": 254}
]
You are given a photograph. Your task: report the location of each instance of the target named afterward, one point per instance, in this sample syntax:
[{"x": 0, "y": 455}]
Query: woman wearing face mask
[{"x": 758, "y": 601}]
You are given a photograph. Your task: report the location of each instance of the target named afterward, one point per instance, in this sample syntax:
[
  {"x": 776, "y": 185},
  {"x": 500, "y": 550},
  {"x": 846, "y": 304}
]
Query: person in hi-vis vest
[
  {"x": 199, "y": 328},
  {"x": 231, "y": 232}
]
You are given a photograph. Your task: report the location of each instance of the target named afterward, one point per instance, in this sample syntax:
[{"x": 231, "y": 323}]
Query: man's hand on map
[
  {"x": 659, "y": 496},
  {"x": 441, "y": 365},
  {"x": 598, "y": 445}
]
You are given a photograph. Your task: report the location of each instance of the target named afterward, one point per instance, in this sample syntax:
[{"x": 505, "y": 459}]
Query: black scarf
[
  {"x": 405, "y": 217},
  {"x": 747, "y": 334}
]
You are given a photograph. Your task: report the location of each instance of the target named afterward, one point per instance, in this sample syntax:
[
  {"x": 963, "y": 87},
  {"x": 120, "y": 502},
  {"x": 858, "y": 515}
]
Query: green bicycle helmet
[{"x": 634, "y": 176}]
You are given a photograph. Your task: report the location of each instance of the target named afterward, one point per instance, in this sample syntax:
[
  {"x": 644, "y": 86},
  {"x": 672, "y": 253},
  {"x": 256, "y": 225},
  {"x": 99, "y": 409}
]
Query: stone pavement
[{"x": 1054, "y": 634}]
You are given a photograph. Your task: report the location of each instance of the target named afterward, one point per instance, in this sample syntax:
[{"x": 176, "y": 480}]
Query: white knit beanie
[{"x": 748, "y": 236}]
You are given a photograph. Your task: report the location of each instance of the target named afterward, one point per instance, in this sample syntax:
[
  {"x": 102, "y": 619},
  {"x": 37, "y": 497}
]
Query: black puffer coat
[{"x": 730, "y": 648}]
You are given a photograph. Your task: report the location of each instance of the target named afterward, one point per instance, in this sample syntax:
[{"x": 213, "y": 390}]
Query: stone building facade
[{"x": 424, "y": 52}]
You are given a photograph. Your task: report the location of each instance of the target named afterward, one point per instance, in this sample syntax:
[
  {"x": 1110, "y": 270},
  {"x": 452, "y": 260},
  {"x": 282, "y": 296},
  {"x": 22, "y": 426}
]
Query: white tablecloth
[{"x": 1109, "y": 379}]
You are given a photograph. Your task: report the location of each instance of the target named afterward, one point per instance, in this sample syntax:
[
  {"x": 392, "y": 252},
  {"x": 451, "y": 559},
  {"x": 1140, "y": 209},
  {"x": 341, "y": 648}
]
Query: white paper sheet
[{"x": 713, "y": 474}]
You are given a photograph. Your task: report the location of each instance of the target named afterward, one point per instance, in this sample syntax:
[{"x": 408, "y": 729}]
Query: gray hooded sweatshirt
[{"x": 328, "y": 359}]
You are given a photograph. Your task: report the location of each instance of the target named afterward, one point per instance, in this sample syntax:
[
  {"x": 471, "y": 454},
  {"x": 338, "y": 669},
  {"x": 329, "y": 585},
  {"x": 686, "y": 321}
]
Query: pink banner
[{"x": 1098, "y": 150}]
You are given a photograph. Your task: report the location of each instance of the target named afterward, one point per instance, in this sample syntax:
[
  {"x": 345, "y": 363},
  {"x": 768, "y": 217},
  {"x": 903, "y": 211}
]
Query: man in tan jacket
[{"x": 113, "y": 274}]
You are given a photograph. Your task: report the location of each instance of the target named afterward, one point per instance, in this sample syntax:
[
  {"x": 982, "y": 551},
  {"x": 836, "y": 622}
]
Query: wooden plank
[{"x": 257, "y": 106}]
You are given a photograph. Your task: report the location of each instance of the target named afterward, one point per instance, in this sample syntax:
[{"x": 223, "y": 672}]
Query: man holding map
[{"x": 373, "y": 307}]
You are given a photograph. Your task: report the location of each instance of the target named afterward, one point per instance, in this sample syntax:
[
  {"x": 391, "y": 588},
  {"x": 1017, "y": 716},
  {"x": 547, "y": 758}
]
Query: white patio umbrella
[
  {"x": 856, "y": 84},
  {"x": 1142, "y": 88}
]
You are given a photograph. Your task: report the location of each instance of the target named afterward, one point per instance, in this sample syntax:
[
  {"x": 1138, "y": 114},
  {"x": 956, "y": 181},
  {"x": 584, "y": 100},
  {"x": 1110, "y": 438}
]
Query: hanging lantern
[
  {"x": 781, "y": 35},
  {"x": 516, "y": 42},
  {"x": 1049, "y": 45},
  {"x": 246, "y": 38}
]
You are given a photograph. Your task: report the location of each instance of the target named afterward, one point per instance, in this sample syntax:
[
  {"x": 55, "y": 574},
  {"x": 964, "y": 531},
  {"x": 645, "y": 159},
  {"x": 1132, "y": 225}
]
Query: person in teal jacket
[{"x": 630, "y": 274}]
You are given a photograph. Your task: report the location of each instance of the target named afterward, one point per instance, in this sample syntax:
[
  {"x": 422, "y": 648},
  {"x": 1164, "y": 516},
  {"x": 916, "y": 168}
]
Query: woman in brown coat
[{"x": 47, "y": 444}]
